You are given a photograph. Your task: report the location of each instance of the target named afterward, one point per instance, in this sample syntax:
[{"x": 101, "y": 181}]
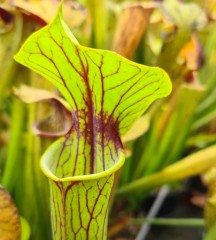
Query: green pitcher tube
[{"x": 79, "y": 204}]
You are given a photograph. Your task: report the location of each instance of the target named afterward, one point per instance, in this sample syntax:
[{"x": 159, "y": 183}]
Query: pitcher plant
[{"x": 105, "y": 93}]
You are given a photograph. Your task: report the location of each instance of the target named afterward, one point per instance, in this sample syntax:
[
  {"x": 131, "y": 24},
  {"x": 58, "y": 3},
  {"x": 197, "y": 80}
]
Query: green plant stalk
[
  {"x": 32, "y": 188},
  {"x": 25, "y": 196},
  {"x": 98, "y": 11},
  {"x": 192, "y": 165},
  {"x": 125, "y": 174},
  {"x": 180, "y": 222},
  {"x": 14, "y": 146},
  {"x": 146, "y": 140},
  {"x": 39, "y": 214},
  {"x": 149, "y": 142},
  {"x": 185, "y": 115}
]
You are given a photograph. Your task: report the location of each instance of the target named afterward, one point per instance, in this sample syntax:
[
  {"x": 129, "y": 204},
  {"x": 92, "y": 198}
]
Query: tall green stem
[
  {"x": 13, "y": 150},
  {"x": 99, "y": 15}
]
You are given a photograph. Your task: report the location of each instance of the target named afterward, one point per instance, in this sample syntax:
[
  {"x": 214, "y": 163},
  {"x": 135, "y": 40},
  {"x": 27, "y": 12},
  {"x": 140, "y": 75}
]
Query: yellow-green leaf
[{"x": 106, "y": 92}]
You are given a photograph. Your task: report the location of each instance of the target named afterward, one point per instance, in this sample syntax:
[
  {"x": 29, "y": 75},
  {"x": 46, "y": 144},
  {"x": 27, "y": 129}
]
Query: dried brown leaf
[{"x": 131, "y": 26}]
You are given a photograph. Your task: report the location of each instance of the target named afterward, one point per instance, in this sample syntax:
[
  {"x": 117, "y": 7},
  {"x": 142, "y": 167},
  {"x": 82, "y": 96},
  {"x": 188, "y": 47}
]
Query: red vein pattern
[
  {"x": 106, "y": 91},
  {"x": 88, "y": 201}
]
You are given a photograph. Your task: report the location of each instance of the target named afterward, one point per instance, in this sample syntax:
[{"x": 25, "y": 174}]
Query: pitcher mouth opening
[{"x": 45, "y": 162}]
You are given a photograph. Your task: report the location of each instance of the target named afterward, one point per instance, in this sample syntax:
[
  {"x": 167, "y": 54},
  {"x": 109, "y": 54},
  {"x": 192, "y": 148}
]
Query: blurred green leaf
[
  {"x": 180, "y": 222},
  {"x": 184, "y": 15},
  {"x": 210, "y": 235},
  {"x": 25, "y": 229},
  {"x": 201, "y": 140},
  {"x": 186, "y": 18}
]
